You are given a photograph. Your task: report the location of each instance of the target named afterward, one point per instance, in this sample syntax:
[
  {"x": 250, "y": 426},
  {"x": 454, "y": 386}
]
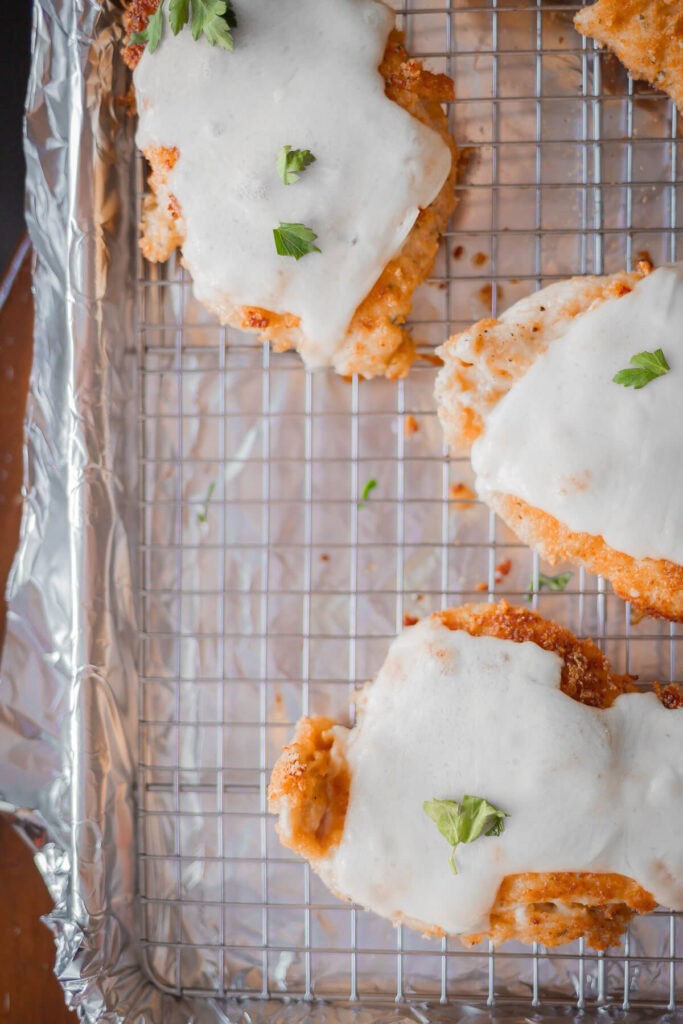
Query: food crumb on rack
[
  {"x": 458, "y": 251},
  {"x": 325, "y": 923},
  {"x": 410, "y": 620},
  {"x": 502, "y": 569},
  {"x": 461, "y": 492},
  {"x": 486, "y": 294},
  {"x": 410, "y": 426},
  {"x": 482, "y": 585},
  {"x": 278, "y": 712},
  {"x": 479, "y": 259},
  {"x": 324, "y": 557}
]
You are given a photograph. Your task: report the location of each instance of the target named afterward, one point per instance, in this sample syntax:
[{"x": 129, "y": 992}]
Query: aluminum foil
[{"x": 69, "y": 682}]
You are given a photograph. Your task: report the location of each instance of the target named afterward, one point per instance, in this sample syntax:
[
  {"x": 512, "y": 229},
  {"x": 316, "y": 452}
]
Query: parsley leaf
[
  {"x": 290, "y": 160},
  {"x": 213, "y": 19},
  {"x": 558, "y": 582},
  {"x": 370, "y": 486},
  {"x": 151, "y": 34},
  {"x": 178, "y": 14},
  {"x": 648, "y": 365},
  {"x": 202, "y": 516},
  {"x": 464, "y": 822},
  {"x": 294, "y": 240}
]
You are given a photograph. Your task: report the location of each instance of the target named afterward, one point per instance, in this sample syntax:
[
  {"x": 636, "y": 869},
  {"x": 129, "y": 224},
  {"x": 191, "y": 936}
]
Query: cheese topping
[
  {"x": 602, "y": 458},
  {"x": 303, "y": 73},
  {"x": 450, "y": 714}
]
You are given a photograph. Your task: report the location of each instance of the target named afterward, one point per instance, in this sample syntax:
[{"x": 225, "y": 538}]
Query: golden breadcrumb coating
[
  {"x": 558, "y": 908},
  {"x": 165, "y": 226},
  {"x": 480, "y": 366},
  {"x": 376, "y": 341},
  {"x": 646, "y": 36},
  {"x": 311, "y": 782},
  {"x": 653, "y": 586},
  {"x": 551, "y": 907},
  {"x": 586, "y": 673},
  {"x": 482, "y": 363}
]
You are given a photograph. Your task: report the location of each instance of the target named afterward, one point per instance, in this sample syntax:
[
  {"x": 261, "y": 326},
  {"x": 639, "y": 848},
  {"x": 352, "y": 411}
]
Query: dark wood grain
[
  {"x": 16, "y": 345},
  {"x": 29, "y": 991}
]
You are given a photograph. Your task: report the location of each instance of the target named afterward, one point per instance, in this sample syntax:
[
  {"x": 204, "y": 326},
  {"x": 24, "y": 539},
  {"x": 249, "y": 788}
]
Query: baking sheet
[{"x": 216, "y": 623}]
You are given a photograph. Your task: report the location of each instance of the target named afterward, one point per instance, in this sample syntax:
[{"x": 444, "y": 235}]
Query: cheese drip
[
  {"x": 602, "y": 458},
  {"x": 303, "y": 73},
  {"x": 585, "y": 789}
]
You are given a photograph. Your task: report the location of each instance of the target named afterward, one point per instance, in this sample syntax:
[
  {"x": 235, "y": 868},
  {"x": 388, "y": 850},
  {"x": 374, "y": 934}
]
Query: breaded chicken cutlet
[
  {"x": 646, "y": 36},
  {"x": 495, "y": 698},
  {"x": 579, "y": 466},
  {"x": 372, "y": 340}
]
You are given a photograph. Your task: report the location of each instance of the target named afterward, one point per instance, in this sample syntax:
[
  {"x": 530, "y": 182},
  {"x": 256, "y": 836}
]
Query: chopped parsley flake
[
  {"x": 645, "y": 366},
  {"x": 289, "y": 161},
  {"x": 369, "y": 487},
  {"x": 212, "y": 18},
  {"x": 558, "y": 582},
  {"x": 294, "y": 240},
  {"x": 464, "y": 822},
  {"x": 202, "y": 516}
]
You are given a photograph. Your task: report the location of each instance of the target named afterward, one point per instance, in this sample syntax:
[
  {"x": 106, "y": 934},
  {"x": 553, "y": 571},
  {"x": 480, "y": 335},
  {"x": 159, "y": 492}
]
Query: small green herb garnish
[
  {"x": 213, "y": 18},
  {"x": 291, "y": 160},
  {"x": 294, "y": 240},
  {"x": 370, "y": 486},
  {"x": 646, "y": 366},
  {"x": 558, "y": 582},
  {"x": 201, "y": 516},
  {"x": 464, "y": 822}
]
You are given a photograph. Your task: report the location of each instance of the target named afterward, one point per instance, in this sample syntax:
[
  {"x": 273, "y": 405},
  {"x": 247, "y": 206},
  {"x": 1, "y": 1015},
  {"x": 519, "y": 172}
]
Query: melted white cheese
[
  {"x": 450, "y": 714},
  {"x": 600, "y": 457},
  {"x": 303, "y": 73}
]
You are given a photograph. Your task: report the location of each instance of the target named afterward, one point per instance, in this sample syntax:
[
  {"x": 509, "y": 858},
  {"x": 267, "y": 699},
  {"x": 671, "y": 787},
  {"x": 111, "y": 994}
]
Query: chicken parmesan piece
[
  {"x": 646, "y": 36},
  {"x": 493, "y": 703},
  {"x": 331, "y": 77},
  {"x": 485, "y": 700},
  {"x": 581, "y": 467}
]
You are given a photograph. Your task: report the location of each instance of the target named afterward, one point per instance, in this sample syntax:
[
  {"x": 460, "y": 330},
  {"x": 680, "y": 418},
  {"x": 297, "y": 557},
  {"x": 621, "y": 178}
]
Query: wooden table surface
[{"x": 29, "y": 991}]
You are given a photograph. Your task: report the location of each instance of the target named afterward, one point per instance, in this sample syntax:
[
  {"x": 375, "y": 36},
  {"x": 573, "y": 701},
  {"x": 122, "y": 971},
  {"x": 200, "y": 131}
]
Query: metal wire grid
[{"x": 268, "y": 587}]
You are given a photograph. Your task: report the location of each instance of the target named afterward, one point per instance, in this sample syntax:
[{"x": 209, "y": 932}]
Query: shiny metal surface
[{"x": 162, "y": 641}]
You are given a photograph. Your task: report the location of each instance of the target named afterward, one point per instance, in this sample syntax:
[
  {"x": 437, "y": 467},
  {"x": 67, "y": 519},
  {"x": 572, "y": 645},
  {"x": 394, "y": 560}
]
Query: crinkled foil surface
[{"x": 86, "y": 634}]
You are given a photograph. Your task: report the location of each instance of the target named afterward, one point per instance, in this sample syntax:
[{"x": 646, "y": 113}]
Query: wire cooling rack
[{"x": 269, "y": 587}]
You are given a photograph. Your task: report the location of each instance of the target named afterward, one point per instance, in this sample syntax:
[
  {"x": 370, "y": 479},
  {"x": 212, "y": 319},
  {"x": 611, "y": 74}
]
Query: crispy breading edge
[
  {"x": 482, "y": 363},
  {"x": 551, "y": 908},
  {"x": 376, "y": 342},
  {"x": 653, "y": 586},
  {"x": 646, "y": 36}
]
